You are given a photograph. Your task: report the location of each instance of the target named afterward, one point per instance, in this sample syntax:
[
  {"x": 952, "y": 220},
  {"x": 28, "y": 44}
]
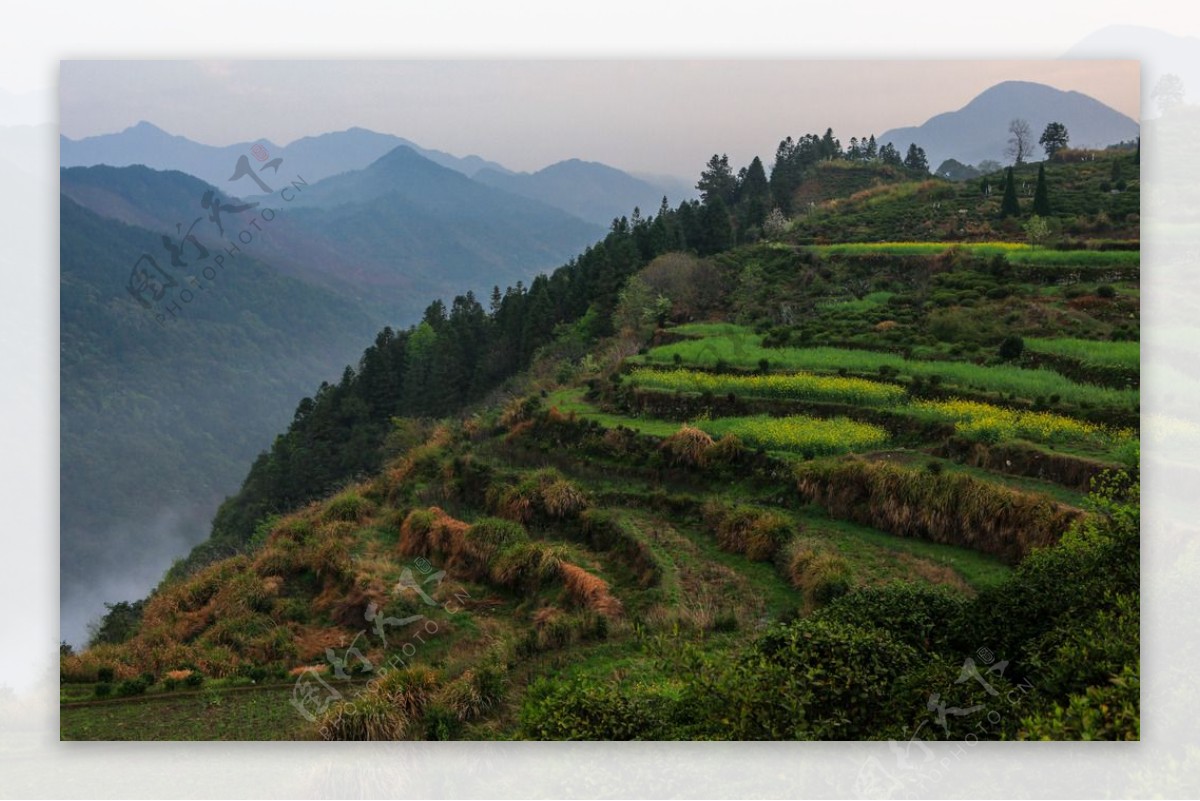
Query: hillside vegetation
[{"x": 712, "y": 479}]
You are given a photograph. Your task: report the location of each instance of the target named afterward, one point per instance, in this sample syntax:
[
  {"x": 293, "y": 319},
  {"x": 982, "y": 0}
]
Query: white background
[{"x": 34, "y": 764}]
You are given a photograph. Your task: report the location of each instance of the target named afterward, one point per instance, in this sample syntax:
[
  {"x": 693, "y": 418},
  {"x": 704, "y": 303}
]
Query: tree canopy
[{"x": 1054, "y": 138}]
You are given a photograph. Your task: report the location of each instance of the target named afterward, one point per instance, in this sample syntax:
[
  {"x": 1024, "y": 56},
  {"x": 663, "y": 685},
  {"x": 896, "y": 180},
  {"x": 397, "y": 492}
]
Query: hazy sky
[{"x": 641, "y": 116}]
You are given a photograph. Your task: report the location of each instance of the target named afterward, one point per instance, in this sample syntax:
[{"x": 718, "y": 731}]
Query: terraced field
[{"x": 793, "y": 519}]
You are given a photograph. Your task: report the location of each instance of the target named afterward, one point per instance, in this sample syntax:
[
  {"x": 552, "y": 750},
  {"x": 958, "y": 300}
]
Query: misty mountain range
[
  {"x": 594, "y": 192},
  {"x": 390, "y": 237}
]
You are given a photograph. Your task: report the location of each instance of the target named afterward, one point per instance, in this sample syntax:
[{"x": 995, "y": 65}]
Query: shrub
[
  {"x": 527, "y": 565},
  {"x": 103, "y": 689},
  {"x": 1097, "y": 560},
  {"x": 1111, "y": 711},
  {"x": 474, "y": 694},
  {"x": 348, "y": 506},
  {"x": 743, "y": 529},
  {"x": 104, "y": 674},
  {"x": 816, "y": 569},
  {"x": 989, "y": 712},
  {"x": 812, "y": 679},
  {"x": 131, "y": 687},
  {"x": 921, "y": 615},
  {"x": 484, "y": 540},
  {"x": 440, "y": 723},
  {"x": 1012, "y": 347},
  {"x": 582, "y": 710}
]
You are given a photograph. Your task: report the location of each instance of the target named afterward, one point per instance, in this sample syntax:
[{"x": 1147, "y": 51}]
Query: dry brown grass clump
[
  {"x": 389, "y": 709},
  {"x": 473, "y": 694},
  {"x": 933, "y": 572},
  {"x": 951, "y": 508},
  {"x": 482, "y": 543},
  {"x": 427, "y": 532},
  {"x": 518, "y": 430},
  {"x": 687, "y": 447},
  {"x": 815, "y": 568},
  {"x": 528, "y": 565},
  {"x": 562, "y": 499},
  {"x": 518, "y": 410},
  {"x": 754, "y": 532},
  {"x": 543, "y": 495},
  {"x": 589, "y": 591}
]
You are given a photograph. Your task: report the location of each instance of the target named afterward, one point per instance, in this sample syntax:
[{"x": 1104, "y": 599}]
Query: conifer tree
[
  {"x": 1009, "y": 207},
  {"x": 1041, "y": 197}
]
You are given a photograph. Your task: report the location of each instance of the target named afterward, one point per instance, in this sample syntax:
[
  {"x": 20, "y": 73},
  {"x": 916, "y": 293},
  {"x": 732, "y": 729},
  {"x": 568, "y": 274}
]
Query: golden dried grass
[{"x": 588, "y": 590}]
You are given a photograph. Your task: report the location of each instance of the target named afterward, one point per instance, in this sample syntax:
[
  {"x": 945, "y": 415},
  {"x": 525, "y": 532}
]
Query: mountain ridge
[{"x": 320, "y": 155}]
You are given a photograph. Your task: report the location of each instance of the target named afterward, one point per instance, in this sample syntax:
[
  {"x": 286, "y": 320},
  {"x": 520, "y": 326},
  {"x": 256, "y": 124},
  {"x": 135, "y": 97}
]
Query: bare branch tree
[{"x": 1020, "y": 141}]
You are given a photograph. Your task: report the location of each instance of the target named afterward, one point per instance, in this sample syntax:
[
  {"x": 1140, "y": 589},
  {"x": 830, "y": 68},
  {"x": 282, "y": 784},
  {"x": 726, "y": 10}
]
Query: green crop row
[{"x": 787, "y": 386}]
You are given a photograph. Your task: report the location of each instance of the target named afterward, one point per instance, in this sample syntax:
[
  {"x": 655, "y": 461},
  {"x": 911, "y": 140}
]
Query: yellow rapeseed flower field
[{"x": 989, "y": 423}]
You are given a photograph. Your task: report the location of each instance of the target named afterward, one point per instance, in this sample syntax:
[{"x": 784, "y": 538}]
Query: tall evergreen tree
[
  {"x": 831, "y": 148},
  {"x": 1041, "y": 197},
  {"x": 1009, "y": 207},
  {"x": 717, "y": 228},
  {"x": 888, "y": 154},
  {"x": 717, "y": 181},
  {"x": 754, "y": 196},
  {"x": 915, "y": 159}
]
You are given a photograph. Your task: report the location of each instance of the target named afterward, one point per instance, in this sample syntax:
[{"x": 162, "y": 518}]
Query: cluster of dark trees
[
  {"x": 749, "y": 196},
  {"x": 1010, "y": 207}
]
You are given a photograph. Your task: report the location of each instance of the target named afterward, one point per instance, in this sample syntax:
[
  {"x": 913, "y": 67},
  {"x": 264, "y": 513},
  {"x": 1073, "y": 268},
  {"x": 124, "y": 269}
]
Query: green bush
[
  {"x": 1097, "y": 560},
  {"x": 131, "y": 687},
  {"x": 582, "y": 710},
  {"x": 1108, "y": 712},
  {"x": 1012, "y": 347},
  {"x": 441, "y": 723},
  {"x": 946, "y": 698},
  {"x": 921, "y": 615},
  {"x": 103, "y": 689},
  {"x": 348, "y": 506},
  {"x": 811, "y": 679}
]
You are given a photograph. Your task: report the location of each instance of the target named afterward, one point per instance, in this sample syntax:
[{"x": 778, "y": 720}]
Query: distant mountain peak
[
  {"x": 144, "y": 128},
  {"x": 979, "y": 130}
]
